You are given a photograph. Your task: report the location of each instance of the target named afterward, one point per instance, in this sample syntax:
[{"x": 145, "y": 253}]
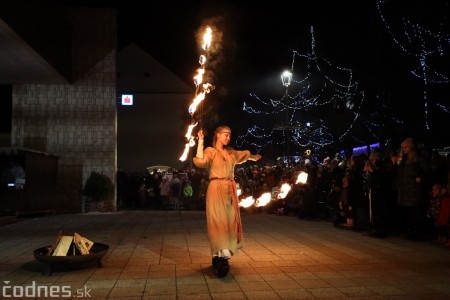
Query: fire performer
[{"x": 222, "y": 207}]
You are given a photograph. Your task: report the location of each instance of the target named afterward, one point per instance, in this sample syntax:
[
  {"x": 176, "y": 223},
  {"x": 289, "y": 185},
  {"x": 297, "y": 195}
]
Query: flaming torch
[
  {"x": 200, "y": 93},
  {"x": 284, "y": 190},
  {"x": 247, "y": 202},
  {"x": 263, "y": 199},
  {"x": 302, "y": 178}
]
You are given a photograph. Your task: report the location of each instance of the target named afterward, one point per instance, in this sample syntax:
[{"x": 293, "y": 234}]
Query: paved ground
[{"x": 165, "y": 255}]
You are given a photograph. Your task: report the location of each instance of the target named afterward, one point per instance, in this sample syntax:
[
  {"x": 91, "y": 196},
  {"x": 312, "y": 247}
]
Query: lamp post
[{"x": 286, "y": 78}]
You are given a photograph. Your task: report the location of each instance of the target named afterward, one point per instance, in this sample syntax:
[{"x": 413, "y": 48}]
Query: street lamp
[{"x": 286, "y": 78}]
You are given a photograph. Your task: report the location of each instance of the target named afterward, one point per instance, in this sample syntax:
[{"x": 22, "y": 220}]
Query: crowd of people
[
  {"x": 391, "y": 191},
  {"x": 401, "y": 191}
]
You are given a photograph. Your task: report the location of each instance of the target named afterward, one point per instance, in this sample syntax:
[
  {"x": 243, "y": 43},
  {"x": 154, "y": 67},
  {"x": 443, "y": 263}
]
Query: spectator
[
  {"x": 164, "y": 188},
  {"x": 439, "y": 211},
  {"x": 379, "y": 191},
  {"x": 187, "y": 195},
  {"x": 175, "y": 188},
  {"x": 412, "y": 190},
  {"x": 155, "y": 182}
]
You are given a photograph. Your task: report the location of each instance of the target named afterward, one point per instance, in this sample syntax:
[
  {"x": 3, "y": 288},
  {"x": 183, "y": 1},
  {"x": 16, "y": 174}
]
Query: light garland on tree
[
  {"x": 422, "y": 43},
  {"x": 323, "y": 86}
]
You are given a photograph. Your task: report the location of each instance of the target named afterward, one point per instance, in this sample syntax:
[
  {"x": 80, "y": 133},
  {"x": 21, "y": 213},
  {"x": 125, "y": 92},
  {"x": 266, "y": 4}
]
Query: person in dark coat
[
  {"x": 379, "y": 190},
  {"x": 412, "y": 190}
]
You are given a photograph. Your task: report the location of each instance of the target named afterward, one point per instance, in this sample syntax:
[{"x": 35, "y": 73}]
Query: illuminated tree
[
  {"x": 420, "y": 29},
  {"x": 322, "y": 108}
]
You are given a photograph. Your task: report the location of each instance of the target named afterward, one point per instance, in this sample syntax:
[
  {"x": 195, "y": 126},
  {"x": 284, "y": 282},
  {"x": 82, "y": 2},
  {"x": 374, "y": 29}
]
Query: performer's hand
[
  {"x": 200, "y": 134},
  {"x": 257, "y": 157}
]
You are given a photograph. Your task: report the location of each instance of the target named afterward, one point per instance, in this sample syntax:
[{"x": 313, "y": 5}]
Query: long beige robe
[{"x": 222, "y": 215}]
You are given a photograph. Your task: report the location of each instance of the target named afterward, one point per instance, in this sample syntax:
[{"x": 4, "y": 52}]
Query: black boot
[
  {"x": 220, "y": 266},
  {"x": 215, "y": 261}
]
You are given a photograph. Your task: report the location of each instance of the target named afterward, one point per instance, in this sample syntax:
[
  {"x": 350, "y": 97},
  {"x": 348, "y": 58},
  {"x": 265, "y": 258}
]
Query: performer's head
[{"x": 222, "y": 136}]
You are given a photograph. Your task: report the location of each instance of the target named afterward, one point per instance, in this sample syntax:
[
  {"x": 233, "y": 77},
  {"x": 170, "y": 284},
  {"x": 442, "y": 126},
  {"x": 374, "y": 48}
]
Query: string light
[
  {"x": 323, "y": 86},
  {"x": 445, "y": 108},
  {"x": 421, "y": 43}
]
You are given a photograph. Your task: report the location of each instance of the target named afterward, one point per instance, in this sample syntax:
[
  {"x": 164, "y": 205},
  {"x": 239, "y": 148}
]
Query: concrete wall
[{"x": 76, "y": 122}]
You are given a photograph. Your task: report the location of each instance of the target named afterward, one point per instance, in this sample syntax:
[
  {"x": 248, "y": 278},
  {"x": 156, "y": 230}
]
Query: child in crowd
[{"x": 439, "y": 210}]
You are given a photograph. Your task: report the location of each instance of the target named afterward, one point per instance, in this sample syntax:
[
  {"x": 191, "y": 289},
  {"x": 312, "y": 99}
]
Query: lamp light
[{"x": 286, "y": 78}]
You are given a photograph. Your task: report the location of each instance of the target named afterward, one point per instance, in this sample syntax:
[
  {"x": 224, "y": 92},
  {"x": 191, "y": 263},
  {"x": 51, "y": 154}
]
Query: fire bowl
[{"x": 98, "y": 250}]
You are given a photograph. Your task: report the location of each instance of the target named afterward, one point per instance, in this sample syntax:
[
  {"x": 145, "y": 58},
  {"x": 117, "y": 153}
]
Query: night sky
[{"x": 258, "y": 39}]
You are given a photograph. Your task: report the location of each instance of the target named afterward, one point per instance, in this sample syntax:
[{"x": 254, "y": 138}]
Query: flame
[
  {"x": 207, "y": 87},
  {"x": 185, "y": 153},
  {"x": 198, "y": 78},
  {"x": 202, "y": 60},
  {"x": 189, "y": 131},
  {"x": 193, "y": 107},
  {"x": 207, "y": 38},
  {"x": 199, "y": 97},
  {"x": 284, "y": 190},
  {"x": 247, "y": 202},
  {"x": 263, "y": 199},
  {"x": 302, "y": 177}
]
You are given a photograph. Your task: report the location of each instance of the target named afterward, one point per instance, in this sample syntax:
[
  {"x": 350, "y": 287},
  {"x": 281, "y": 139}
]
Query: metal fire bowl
[{"x": 98, "y": 250}]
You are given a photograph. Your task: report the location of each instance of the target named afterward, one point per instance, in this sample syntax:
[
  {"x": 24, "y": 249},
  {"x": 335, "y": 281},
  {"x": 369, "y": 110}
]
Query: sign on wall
[{"x": 127, "y": 99}]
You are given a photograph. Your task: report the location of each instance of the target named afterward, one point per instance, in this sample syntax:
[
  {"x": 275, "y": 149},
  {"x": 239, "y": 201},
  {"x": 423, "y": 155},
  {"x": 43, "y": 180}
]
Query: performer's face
[{"x": 224, "y": 137}]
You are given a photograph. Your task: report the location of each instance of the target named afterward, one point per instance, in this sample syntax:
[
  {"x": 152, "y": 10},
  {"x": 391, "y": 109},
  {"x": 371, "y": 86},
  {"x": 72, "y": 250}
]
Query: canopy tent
[{"x": 158, "y": 168}]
